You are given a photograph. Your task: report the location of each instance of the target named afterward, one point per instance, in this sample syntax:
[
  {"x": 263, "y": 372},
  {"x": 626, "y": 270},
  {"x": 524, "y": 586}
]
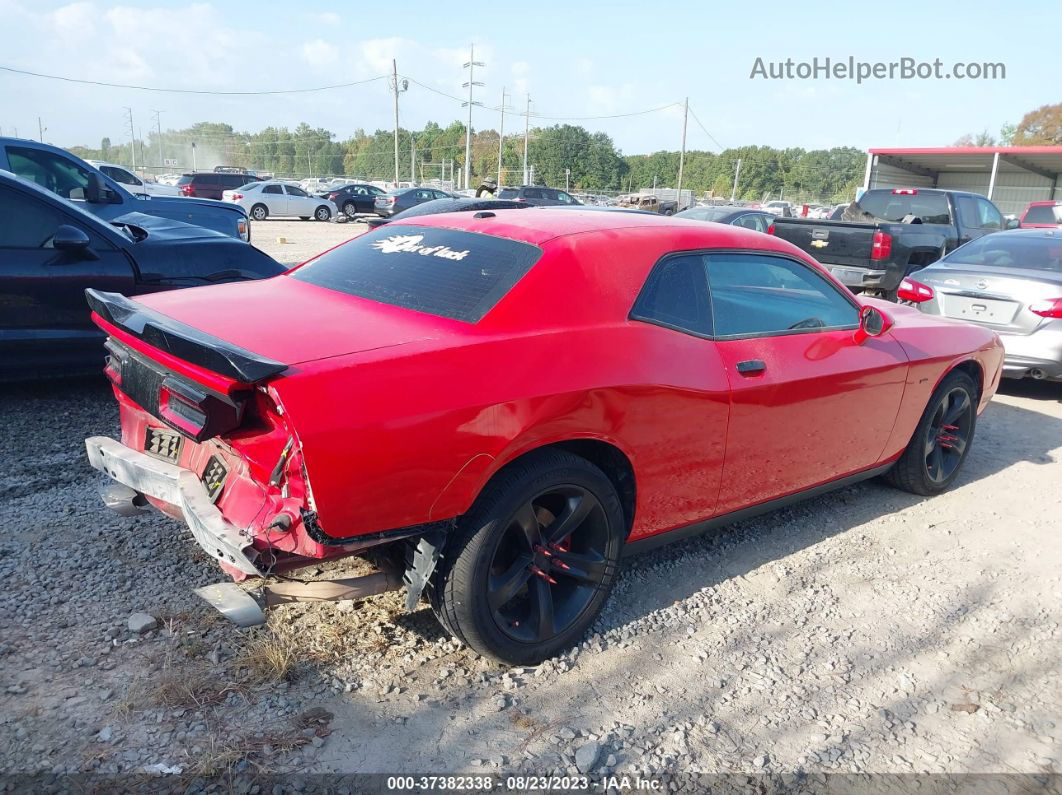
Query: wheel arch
[{"x": 463, "y": 490}]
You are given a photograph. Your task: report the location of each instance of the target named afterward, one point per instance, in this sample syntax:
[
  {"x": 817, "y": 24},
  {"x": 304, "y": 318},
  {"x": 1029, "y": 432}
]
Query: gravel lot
[
  {"x": 302, "y": 239},
  {"x": 867, "y": 630}
]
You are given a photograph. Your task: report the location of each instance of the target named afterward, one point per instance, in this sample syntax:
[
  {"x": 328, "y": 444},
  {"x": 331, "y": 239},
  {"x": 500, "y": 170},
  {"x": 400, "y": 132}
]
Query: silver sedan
[{"x": 1009, "y": 281}]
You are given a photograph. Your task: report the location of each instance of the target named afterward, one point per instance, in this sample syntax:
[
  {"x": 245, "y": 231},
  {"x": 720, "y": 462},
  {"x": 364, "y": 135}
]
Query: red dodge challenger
[{"x": 494, "y": 407}]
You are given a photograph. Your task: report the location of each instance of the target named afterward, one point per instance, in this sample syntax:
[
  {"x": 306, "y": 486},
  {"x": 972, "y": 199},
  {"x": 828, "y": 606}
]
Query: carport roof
[{"x": 1043, "y": 160}]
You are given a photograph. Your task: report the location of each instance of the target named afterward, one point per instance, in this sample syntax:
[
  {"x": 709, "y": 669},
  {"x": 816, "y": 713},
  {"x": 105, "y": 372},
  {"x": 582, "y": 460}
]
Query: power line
[
  {"x": 189, "y": 90},
  {"x": 712, "y": 137}
]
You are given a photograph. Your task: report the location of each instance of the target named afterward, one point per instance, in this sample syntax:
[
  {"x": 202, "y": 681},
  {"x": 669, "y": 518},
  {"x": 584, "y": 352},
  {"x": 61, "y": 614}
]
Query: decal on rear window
[{"x": 444, "y": 272}]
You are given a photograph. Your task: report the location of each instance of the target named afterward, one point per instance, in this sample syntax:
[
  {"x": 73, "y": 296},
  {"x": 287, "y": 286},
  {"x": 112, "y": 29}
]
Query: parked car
[
  {"x": 354, "y": 199},
  {"x": 1042, "y": 215},
  {"x": 648, "y": 203},
  {"x": 887, "y": 234},
  {"x": 273, "y": 198},
  {"x": 72, "y": 178},
  {"x": 782, "y": 208},
  {"x": 52, "y": 250},
  {"x": 132, "y": 182},
  {"x": 389, "y": 204},
  {"x": 1010, "y": 282},
  {"x": 537, "y": 195},
  {"x": 213, "y": 184},
  {"x": 757, "y": 220},
  {"x": 525, "y": 427},
  {"x": 452, "y": 205}
]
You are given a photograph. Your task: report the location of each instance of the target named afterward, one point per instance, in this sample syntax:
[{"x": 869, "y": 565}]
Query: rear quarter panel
[{"x": 936, "y": 346}]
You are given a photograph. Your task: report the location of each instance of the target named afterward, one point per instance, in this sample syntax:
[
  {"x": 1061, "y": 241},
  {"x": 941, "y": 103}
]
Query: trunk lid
[
  {"x": 286, "y": 320},
  {"x": 992, "y": 296}
]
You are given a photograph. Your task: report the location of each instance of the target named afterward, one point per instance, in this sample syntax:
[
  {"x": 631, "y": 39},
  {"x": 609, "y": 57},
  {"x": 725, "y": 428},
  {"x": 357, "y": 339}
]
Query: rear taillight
[
  {"x": 905, "y": 191},
  {"x": 195, "y": 412},
  {"x": 333, "y": 196},
  {"x": 1051, "y": 307},
  {"x": 915, "y": 292},
  {"x": 237, "y": 196},
  {"x": 387, "y": 199},
  {"x": 770, "y": 229},
  {"x": 881, "y": 248},
  {"x": 115, "y": 361},
  {"x": 186, "y": 190}
]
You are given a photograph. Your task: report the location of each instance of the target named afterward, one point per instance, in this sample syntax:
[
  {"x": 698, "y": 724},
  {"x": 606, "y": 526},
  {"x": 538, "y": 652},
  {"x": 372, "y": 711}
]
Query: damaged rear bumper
[{"x": 182, "y": 488}]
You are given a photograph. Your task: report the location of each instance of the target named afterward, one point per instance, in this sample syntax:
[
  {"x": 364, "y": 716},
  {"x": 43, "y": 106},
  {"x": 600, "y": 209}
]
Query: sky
[{"x": 574, "y": 59}]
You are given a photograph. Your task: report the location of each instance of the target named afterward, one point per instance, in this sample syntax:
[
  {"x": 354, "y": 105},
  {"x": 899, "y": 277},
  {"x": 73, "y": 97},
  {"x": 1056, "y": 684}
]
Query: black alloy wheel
[
  {"x": 529, "y": 567},
  {"x": 548, "y": 564},
  {"x": 948, "y": 436}
]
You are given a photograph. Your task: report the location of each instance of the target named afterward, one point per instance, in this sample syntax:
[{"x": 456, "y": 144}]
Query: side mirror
[
  {"x": 70, "y": 238},
  {"x": 873, "y": 322},
  {"x": 97, "y": 192},
  {"x": 1012, "y": 223}
]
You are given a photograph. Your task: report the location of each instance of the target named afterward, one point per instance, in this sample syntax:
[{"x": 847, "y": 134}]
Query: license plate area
[
  {"x": 980, "y": 310},
  {"x": 848, "y": 275},
  {"x": 213, "y": 478}
]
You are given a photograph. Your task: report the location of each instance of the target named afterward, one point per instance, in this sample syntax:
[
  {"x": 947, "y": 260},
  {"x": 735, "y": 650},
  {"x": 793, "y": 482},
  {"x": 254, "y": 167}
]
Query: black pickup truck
[{"x": 888, "y": 233}]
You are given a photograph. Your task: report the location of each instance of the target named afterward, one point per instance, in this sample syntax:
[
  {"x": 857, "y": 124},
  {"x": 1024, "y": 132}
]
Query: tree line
[{"x": 562, "y": 154}]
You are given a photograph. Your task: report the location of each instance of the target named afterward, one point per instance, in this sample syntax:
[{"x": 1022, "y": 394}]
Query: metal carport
[{"x": 1011, "y": 176}]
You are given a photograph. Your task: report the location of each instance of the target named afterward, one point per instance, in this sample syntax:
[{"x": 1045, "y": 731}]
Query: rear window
[
  {"x": 1043, "y": 214},
  {"x": 508, "y": 193},
  {"x": 1037, "y": 251},
  {"x": 444, "y": 272},
  {"x": 931, "y": 208},
  {"x": 185, "y": 180}
]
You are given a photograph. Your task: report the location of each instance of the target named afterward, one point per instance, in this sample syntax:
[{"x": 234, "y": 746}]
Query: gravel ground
[
  {"x": 863, "y": 631},
  {"x": 301, "y": 239}
]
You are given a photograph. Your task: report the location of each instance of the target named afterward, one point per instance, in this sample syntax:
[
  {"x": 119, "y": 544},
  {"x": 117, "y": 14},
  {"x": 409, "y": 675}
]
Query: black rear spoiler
[{"x": 181, "y": 340}]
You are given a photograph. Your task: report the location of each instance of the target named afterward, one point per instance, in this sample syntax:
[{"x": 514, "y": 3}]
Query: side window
[
  {"x": 676, "y": 295},
  {"x": 565, "y": 197},
  {"x": 757, "y": 294},
  {"x": 990, "y": 217},
  {"x": 57, "y": 174},
  {"x": 359, "y": 192},
  {"x": 26, "y": 222},
  {"x": 424, "y": 195},
  {"x": 750, "y": 221},
  {"x": 292, "y": 190},
  {"x": 969, "y": 215},
  {"x": 272, "y": 189}
]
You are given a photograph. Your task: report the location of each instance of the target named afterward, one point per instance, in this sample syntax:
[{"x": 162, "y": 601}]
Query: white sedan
[
  {"x": 132, "y": 182},
  {"x": 273, "y": 197}
]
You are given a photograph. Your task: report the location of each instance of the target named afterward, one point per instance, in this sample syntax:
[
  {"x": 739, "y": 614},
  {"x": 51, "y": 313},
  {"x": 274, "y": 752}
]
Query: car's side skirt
[{"x": 699, "y": 528}]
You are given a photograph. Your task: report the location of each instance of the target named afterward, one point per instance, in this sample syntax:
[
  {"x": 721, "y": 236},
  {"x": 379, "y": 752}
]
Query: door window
[
  {"x": 28, "y": 223},
  {"x": 676, "y": 296},
  {"x": 121, "y": 175},
  {"x": 293, "y": 191},
  {"x": 565, "y": 198},
  {"x": 58, "y": 174},
  {"x": 272, "y": 189},
  {"x": 753, "y": 221},
  {"x": 990, "y": 217},
  {"x": 759, "y": 295}
]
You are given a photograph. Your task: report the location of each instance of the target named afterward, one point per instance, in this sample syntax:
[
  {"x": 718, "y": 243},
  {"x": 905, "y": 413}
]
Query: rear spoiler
[{"x": 181, "y": 340}]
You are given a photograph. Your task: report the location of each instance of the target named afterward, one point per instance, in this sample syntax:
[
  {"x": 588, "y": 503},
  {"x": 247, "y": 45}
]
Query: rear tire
[
  {"x": 259, "y": 212},
  {"x": 935, "y": 455},
  {"x": 531, "y": 564},
  {"x": 350, "y": 210}
]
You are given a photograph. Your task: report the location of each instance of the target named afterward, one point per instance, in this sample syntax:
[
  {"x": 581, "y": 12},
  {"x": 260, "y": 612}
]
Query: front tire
[
  {"x": 322, "y": 213},
  {"x": 531, "y": 564},
  {"x": 932, "y": 459}
]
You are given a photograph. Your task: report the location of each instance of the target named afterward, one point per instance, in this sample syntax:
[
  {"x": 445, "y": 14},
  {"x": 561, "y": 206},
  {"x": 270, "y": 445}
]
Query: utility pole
[
  {"x": 396, "y": 88},
  {"x": 40, "y": 128},
  {"x": 682, "y": 154},
  {"x": 501, "y": 138},
  {"x": 412, "y": 160},
  {"x": 737, "y": 173},
  {"x": 527, "y": 128},
  {"x": 471, "y": 67},
  {"x": 158, "y": 129},
  {"x": 132, "y": 135},
  {"x": 567, "y": 179}
]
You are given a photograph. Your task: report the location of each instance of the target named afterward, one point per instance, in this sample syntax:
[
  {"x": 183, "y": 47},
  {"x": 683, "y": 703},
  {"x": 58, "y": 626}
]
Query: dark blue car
[{"x": 51, "y": 250}]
